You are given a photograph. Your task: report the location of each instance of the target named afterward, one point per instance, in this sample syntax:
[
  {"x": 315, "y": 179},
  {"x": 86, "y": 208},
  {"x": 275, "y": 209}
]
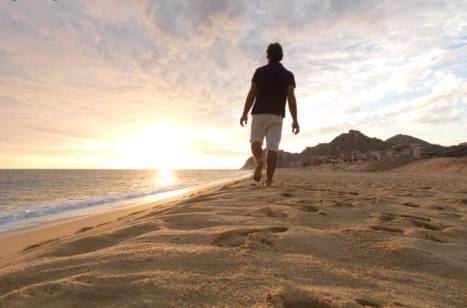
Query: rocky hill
[
  {"x": 452, "y": 151},
  {"x": 402, "y": 139},
  {"x": 354, "y": 141},
  {"x": 356, "y": 146},
  {"x": 406, "y": 139}
]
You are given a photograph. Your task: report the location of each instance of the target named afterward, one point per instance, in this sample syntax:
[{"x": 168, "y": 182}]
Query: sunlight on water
[
  {"x": 32, "y": 196},
  {"x": 165, "y": 177}
]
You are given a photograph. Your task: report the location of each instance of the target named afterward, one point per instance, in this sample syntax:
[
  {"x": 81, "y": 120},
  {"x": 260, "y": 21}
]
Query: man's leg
[
  {"x": 256, "y": 138},
  {"x": 258, "y": 155},
  {"x": 273, "y": 138},
  {"x": 270, "y": 166}
]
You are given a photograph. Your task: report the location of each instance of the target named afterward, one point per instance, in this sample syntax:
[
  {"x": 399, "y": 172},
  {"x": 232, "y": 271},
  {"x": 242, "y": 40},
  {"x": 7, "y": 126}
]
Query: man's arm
[
  {"x": 293, "y": 108},
  {"x": 250, "y": 99}
]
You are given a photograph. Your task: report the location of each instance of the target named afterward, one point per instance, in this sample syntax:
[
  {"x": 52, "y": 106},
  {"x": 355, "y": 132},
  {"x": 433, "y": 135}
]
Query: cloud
[
  {"x": 184, "y": 20},
  {"x": 440, "y": 116},
  {"x": 111, "y": 64},
  {"x": 352, "y": 109},
  {"x": 8, "y": 101}
]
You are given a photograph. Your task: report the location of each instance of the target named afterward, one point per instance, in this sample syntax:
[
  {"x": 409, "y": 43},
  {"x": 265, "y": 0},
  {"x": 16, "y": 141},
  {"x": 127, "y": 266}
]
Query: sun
[
  {"x": 165, "y": 177},
  {"x": 156, "y": 147}
]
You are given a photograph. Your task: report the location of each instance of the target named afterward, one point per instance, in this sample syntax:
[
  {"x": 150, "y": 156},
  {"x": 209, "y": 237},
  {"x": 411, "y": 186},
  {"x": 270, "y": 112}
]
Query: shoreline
[
  {"x": 24, "y": 210},
  {"x": 18, "y": 239}
]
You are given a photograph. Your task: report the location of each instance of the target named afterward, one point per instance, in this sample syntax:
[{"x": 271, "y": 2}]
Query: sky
[{"x": 161, "y": 84}]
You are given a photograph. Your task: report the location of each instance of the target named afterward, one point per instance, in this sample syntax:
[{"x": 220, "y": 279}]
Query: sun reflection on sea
[{"x": 165, "y": 177}]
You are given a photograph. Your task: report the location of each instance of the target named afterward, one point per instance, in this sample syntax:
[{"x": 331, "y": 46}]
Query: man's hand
[
  {"x": 244, "y": 119},
  {"x": 293, "y": 108},
  {"x": 295, "y": 127}
]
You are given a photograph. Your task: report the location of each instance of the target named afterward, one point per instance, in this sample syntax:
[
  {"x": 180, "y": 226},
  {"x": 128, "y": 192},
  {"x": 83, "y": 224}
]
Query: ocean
[{"x": 29, "y": 197}]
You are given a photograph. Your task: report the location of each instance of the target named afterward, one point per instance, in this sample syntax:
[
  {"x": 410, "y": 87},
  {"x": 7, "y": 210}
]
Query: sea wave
[
  {"x": 40, "y": 210},
  {"x": 37, "y": 211}
]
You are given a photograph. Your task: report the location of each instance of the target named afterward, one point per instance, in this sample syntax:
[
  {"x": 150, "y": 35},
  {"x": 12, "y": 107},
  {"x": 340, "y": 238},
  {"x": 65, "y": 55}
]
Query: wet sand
[{"x": 316, "y": 239}]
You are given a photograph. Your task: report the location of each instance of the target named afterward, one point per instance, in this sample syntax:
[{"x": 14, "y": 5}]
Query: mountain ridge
[{"x": 356, "y": 146}]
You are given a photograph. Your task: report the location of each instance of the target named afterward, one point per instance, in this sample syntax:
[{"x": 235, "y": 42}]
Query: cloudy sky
[{"x": 115, "y": 84}]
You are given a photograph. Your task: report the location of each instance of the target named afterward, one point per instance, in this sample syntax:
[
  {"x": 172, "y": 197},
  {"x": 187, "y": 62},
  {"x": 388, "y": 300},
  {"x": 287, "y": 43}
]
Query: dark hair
[{"x": 274, "y": 52}]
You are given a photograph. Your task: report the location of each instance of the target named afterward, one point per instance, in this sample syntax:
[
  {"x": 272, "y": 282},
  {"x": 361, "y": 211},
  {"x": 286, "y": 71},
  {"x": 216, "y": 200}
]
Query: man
[{"x": 272, "y": 85}]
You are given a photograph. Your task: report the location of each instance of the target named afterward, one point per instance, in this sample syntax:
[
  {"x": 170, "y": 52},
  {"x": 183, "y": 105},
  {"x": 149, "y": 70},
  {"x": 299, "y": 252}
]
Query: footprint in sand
[
  {"x": 337, "y": 203},
  {"x": 294, "y": 297},
  {"x": 237, "y": 238},
  {"x": 134, "y": 213},
  {"x": 84, "y": 229},
  {"x": 192, "y": 200},
  {"x": 369, "y": 302},
  {"x": 305, "y": 208},
  {"x": 302, "y": 206},
  {"x": 410, "y": 204},
  {"x": 415, "y": 217},
  {"x": 423, "y": 222},
  {"x": 105, "y": 240},
  {"x": 425, "y": 235},
  {"x": 427, "y": 225},
  {"x": 386, "y": 228},
  {"x": 383, "y": 216},
  {"x": 266, "y": 212},
  {"x": 322, "y": 213},
  {"x": 40, "y": 244}
]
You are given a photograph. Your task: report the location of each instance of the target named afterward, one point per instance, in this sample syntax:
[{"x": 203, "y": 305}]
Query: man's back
[{"x": 272, "y": 81}]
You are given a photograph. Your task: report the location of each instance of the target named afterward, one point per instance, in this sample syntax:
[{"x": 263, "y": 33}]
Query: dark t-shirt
[{"x": 272, "y": 81}]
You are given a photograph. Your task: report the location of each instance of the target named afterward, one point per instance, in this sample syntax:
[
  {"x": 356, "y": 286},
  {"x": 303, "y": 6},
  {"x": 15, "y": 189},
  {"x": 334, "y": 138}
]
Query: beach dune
[{"x": 327, "y": 239}]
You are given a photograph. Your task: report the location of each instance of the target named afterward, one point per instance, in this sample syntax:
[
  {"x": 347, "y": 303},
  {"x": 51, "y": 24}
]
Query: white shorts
[{"x": 269, "y": 126}]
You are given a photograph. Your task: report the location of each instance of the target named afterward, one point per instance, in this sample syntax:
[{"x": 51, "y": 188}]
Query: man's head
[{"x": 274, "y": 52}]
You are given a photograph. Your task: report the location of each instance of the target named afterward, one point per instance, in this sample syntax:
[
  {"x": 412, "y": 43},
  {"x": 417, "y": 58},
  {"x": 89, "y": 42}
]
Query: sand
[
  {"x": 456, "y": 165},
  {"x": 316, "y": 239}
]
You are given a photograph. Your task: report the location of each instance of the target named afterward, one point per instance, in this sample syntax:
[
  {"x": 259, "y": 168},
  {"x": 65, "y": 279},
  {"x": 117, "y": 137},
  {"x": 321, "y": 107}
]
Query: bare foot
[
  {"x": 267, "y": 183},
  {"x": 258, "y": 171}
]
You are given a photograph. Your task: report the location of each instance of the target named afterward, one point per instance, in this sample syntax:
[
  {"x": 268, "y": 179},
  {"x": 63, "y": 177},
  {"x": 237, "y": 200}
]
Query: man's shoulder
[
  {"x": 287, "y": 71},
  {"x": 269, "y": 68},
  {"x": 262, "y": 68},
  {"x": 289, "y": 76}
]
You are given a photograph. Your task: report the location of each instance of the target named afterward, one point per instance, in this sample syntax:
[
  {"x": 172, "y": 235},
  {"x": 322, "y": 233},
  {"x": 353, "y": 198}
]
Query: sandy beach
[{"x": 316, "y": 239}]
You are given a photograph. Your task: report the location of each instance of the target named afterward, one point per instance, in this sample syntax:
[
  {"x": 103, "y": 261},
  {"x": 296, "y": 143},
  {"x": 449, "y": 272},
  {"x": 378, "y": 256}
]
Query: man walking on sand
[{"x": 272, "y": 85}]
